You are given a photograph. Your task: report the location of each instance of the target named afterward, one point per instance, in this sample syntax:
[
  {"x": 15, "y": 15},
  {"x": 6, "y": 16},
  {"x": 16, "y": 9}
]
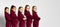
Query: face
[
  {"x": 7, "y": 10},
  {"x": 21, "y": 9},
  {"x": 35, "y": 9},
  {"x": 28, "y": 8},
  {"x": 14, "y": 9}
]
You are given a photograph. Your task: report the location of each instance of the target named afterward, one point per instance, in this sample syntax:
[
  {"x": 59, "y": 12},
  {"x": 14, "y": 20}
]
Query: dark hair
[
  {"x": 33, "y": 7},
  {"x": 25, "y": 8},
  {"x": 5, "y": 9},
  {"x": 11, "y": 8},
  {"x": 19, "y": 8}
]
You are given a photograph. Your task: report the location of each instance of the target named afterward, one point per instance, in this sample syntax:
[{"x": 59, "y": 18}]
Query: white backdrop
[{"x": 48, "y": 10}]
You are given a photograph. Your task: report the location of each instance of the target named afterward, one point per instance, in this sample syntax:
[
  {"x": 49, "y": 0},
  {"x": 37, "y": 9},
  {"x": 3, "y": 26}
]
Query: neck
[
  {"x": 34, "y": 11},
  {"x": 12, "y": 11},
  {"x": 7, "y": 12}
]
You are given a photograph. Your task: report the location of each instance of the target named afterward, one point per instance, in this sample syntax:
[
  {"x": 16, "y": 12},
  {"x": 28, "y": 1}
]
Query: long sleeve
[
  {"x": 13, "y": 15},
  {"x": 35, "y": 16},
  {"x": 20, "y": 16},
  {"x": 7, "y": 16},
  {"x": 28, "y": 15}
]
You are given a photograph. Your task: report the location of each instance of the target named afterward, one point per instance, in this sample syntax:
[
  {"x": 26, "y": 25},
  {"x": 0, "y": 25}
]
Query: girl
[
  {"x": 7, "y": 17},
  {"x": 13, "y": 16},
  {"x": 35, "y": 17},
  {"x": 21, "y": 17},
  {"x": 28, "y": 16}
]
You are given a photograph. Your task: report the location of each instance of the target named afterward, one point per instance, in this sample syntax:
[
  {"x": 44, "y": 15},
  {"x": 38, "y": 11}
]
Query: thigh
[
  {"x": 22, "y": 23},
  {"x": 8, "y": 24}
]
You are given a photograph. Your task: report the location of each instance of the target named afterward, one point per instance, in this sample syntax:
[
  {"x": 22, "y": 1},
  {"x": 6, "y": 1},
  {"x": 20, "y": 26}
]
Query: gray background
[{"x": 48, "y": 10}]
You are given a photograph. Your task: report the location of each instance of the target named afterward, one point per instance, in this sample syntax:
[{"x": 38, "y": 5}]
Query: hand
[
  {"x": 24, "y": 18},
  {"x": 33, "y": 20}
]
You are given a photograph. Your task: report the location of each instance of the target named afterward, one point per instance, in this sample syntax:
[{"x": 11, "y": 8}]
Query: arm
[
  {"x": 28, "y": 15},
  {"x": 7, "y": 17},
  {"x": 36, "y": 16},
  {"x": 14, "y": 16}
]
